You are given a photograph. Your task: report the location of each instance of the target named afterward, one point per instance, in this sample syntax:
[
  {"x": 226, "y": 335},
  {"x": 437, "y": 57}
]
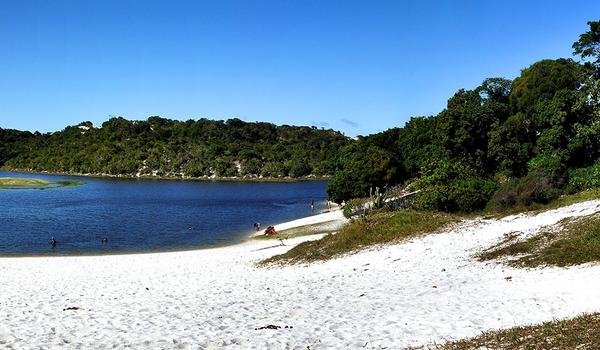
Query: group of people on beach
[
  {"x": 312, "y": 205},
  {"x": 270, "y": 231}
]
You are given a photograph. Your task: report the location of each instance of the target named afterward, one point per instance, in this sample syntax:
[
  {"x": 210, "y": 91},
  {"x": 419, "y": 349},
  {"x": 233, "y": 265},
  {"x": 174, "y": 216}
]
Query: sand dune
[{"x": 422, "y": 291}]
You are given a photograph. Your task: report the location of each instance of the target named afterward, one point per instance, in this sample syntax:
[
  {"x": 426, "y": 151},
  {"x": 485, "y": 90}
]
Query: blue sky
[{"x": 355, "y": 66}]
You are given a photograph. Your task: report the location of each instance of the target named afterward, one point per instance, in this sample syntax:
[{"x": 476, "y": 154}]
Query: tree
[
  {"x": 419, "y": 145},
  {"x": 511, "y": 145},
  {"x": 363, "y": 168},
  {"x": 588, "y": 45},
  {"x": 542, "y": 80},
  {"x": 496, "y": 89},
  {"x": 466, "y": 122}
]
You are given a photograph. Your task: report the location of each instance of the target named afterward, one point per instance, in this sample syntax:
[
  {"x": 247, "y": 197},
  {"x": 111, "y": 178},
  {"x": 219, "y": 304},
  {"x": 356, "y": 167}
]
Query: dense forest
[
  {"x": 171, "y": 148},
  {"x": 501, "y": 144}
]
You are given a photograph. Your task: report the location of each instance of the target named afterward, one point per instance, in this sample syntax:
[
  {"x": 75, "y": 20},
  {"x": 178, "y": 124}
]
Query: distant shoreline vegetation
[
  {"x": 29, "y": 183},
  {"x": 180, "y": 178},
  {"x": 164, "y": 148}
]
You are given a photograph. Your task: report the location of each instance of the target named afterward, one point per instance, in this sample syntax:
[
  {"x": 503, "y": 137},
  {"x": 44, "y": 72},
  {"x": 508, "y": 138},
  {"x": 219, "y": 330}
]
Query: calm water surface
[{"x": 144, "y": 215}]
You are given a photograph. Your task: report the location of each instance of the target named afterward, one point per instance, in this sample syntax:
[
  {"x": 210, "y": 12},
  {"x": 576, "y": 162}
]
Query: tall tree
[{"x": 588, "y": 47}]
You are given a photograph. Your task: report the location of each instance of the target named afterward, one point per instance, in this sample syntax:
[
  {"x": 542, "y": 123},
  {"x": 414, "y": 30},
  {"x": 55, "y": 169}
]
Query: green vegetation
[
  {"x": 574, "y": 198},
  {"x": 22, "y": 182},
  {"x": 503, "y": 144},
  {"x": 377, "y": 228},
  {"x": 69, "y": 183},
  {"x": 576, "y": 241},
  {"x": 14, "y": 182},
  {"x": 581, "y": 332},
  {"x": 563, "y": 200},
  {"x": 169, "y": 148}
]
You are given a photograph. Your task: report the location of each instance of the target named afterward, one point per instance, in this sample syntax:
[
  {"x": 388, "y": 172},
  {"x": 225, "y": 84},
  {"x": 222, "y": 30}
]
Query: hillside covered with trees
[
  {"x": 501, "y": 144},
  {"x": 171, "y": 148}
]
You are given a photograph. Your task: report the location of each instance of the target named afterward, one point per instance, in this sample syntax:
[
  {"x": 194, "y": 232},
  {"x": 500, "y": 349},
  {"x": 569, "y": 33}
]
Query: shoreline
[
  {"x": 333, "y": 215},
  {"x": 250, "y": 179}
]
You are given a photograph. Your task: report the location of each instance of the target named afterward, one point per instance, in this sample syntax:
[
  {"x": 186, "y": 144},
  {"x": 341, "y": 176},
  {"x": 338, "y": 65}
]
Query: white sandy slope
[
  {"x": 208, "y": 299},
  {"x": 333, "y": 219}
]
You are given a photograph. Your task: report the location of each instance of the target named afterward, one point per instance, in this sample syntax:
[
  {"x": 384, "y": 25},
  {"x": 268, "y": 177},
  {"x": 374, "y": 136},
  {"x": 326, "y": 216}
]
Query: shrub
[
  {"x": 584, "y": 178},
  {"x": 457, "y": 196},
  {"x": 348, "y": 209},
  {"x": 547, "y": 164},
  {"x": 453, "y": 187},
  {"x": 533, "y": 188}
]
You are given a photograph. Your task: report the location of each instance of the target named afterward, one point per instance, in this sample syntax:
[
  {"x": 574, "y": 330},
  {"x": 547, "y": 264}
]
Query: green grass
[
  {"x": 69, "y": 183},
  {"x": 574, "y": 198},
  {"x": 576, "y": 241},
  {"x": 386, "y": 227},
  {"x": 377, "y": 228},
  {"x": 15, "y": 182},
  {"x": 561, "y": 201},
  {"x": 22, "y": 182},
  {"x": 313, "y": 229},
  {"x": 582, "y": 333}
]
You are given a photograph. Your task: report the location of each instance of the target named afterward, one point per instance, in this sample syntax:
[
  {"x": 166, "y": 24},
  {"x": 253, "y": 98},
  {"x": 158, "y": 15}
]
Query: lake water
[{"x": 144, "y": 215}]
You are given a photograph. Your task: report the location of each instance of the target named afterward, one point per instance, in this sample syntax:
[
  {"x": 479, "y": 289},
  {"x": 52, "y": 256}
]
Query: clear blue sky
[{"x": 355, "y": 66}]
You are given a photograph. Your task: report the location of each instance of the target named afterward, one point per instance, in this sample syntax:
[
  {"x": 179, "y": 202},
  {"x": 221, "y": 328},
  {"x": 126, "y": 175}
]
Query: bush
[
  {"x": 457, "y": 196},
  {"x": 583, "y": 179},
  {"x": 533, "y": 188},
  {"x": 354, "y": 207},
  {"x": 453, "y": 187},
  {"x": 547, "y": 164},
  {"x": 348, "y": 209}
]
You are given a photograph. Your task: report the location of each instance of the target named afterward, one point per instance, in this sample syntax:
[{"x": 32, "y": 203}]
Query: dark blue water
[{"x": 144, "y": 215}]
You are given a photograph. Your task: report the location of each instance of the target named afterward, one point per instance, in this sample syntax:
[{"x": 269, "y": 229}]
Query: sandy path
[{"x": 425, "y": 290}]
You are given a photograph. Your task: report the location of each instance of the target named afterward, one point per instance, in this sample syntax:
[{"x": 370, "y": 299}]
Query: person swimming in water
[
  {"x": 104, "y": 240},
  {"x": 53, "y": 242}
]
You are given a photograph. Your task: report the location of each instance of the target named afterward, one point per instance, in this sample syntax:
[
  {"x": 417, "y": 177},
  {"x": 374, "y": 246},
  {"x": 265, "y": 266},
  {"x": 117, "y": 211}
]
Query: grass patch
[
  {"x": 22, "y": 182},
  {"x": 574, "y": 198},
  {"x": 561, "y": 201},
  {"x": 386, "y": 227},
  {"x": 69, "y": 183},
  {"x": 17, "y": 182},
  {"x": 306, "y": 230},
  {"x": 377, "y": 228},
  {"x": 576, "y": 241},
  {"x": 581, "y": 332}
]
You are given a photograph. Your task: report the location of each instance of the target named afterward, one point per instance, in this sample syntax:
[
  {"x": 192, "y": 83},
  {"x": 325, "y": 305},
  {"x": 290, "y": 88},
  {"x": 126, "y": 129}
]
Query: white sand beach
[
  {"x": 422, "y": 291},
  {"x": 333, "y": 219}
]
